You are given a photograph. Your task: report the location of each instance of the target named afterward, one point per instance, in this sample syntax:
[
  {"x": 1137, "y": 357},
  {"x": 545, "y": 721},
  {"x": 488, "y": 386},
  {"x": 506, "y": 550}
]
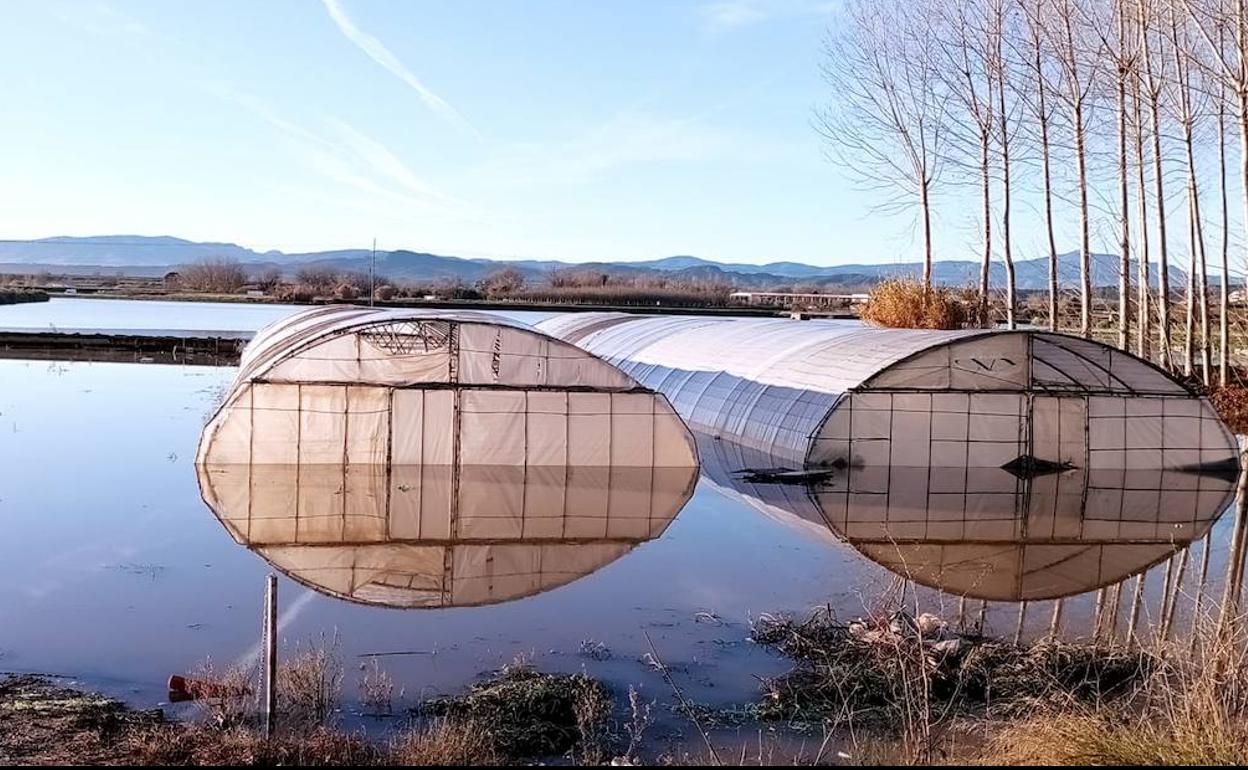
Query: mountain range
[{"x": 146, "y": 255}]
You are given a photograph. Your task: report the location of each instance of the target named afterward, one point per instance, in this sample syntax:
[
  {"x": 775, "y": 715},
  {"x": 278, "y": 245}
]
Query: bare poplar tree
[
  {"x": 1000, "y": 18},
  {"x": 1151, "y": 64},
  {"x": 1224, "y": 303},
  {"x": 968, "y": 72},
  {"x": 1187, "y": 113},
  {"x": 1144, "y": 329},
  {"x": 1038, "y": 58},
  {"x": 1229, "y": 65},
  {"x": 886, "y": 119},
  {"x": 1078, "y": 58},
  {"x": 1120, "y": 50}
]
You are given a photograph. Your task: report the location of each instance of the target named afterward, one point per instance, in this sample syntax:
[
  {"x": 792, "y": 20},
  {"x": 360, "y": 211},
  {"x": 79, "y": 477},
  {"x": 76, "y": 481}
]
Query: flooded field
[{"x": 116, "y": 572}]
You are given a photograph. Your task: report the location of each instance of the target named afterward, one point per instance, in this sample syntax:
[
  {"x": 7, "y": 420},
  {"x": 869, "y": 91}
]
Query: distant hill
[{"x": 145, "y": 255}]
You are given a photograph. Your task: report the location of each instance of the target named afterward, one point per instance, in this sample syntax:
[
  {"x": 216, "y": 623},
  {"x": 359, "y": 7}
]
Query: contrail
[{"x": 378, "y": 52}]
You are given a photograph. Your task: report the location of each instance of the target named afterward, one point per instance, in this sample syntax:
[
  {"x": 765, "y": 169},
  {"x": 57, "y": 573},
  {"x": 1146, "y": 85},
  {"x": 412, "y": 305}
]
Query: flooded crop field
[{"x": 121, "y": 564}]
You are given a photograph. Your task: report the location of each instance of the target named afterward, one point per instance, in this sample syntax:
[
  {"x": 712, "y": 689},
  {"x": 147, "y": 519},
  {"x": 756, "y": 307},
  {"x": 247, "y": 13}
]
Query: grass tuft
[{"x": 532, "y": 714}]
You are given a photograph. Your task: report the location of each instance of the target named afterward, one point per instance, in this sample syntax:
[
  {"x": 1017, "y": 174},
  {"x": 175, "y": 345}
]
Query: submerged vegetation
[
  {"x": 877, "y": 671},
  {"x": 525, "y": 713}
]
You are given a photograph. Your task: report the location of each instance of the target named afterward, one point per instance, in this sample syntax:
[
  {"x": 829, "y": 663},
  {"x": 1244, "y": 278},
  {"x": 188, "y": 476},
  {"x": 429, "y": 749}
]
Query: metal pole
[
  {"x": 1022, "y": 618},
  {"x": 372, "y": 275},
  {"x": 270, "y": 654},
  {"x": 1137, "y": 600},
  {"x": 1055, "y": 624}
]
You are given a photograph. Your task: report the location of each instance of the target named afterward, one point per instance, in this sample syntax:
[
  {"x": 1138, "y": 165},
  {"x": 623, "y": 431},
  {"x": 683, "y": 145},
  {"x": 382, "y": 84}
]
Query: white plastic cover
[
  {"x": 820, "y": 392},
  {"x": 429, "y": 387}
]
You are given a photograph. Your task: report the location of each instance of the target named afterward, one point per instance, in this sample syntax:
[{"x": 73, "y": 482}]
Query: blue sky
[{"x": 565, "y": 130}]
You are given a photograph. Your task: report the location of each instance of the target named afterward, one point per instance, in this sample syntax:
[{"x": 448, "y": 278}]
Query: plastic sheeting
[
  {"x": 986, "y": 533},
  {"x": 824, "y": 393},
  {"x": 426, "y": 387}
]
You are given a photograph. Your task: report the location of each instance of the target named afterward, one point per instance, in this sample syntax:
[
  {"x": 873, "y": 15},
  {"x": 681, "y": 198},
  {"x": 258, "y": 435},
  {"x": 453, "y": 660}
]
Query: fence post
[{"x": 270, "y": 654}]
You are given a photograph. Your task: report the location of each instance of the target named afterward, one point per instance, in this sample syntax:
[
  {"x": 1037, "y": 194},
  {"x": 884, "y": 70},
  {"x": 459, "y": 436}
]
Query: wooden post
[
  {"x": 1022, "y": 618},
  {"x": 270, "y": 654},
  {"x": 1055, "y": 624},
  {"x": 1137, "y": 601}
]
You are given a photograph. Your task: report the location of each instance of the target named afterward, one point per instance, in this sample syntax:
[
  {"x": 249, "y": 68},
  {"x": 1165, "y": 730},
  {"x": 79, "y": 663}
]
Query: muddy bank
[
  {"x": 888, "y": 688},
  {"x": 516, "y": 716},
  {"x": 42, "y": 722}
]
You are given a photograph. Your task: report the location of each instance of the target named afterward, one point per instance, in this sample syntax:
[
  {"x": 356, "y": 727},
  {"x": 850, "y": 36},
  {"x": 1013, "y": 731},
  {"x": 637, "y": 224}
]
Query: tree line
[{"x": 1114, "y": 113}]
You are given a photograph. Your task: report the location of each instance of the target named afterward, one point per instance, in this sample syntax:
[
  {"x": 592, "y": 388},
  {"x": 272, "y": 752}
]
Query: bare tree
[
  {"x": 1224, "y": 303},
  {"x": 1034, "y": 13},
  {"x": 1079, "y": 59},
  {"x": 1186, "y": 115},
  {"x": 966, "y": 45},
  {"x": 221, "y": 275},
  {"x": 1000, "y": 70},
  {"x": 1229, "y": 66},
  {"x": 1144, "y": 329},
  {"x": 1125, "y": 59},
  {"x": 886, "y": 120},
  {"x": 1152, "y": 66}
]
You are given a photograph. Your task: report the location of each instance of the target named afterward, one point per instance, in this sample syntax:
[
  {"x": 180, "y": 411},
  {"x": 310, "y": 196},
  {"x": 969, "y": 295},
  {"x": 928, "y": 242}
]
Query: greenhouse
[
  {"x": 357, "y": 385},
  {"x": 822, "y": 393}
]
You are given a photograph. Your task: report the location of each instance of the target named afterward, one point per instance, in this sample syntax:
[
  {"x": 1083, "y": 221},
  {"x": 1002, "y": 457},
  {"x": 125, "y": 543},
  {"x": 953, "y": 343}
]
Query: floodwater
[
  {"x": 138, "y": 316},
  {"x": 115, "y": 572}
]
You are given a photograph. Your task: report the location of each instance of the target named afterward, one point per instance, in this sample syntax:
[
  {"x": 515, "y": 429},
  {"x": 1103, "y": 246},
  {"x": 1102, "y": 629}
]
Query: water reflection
[
  {"x": 438, "y": 535},
  {"x": 986, "y": 533}
]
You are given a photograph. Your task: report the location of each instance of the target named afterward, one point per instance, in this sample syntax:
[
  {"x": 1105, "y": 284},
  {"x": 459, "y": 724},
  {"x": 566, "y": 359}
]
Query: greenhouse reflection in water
[
  {"x": 415, "y": 536},
  {"x": 985, "y": 533}
]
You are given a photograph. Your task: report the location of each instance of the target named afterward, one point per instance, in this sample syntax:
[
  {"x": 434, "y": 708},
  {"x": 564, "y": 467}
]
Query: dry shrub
[
  {"x": 445, "y": 743},
  {"x": 903, "y": 303},
  {"x": 233, "y": 695},
  {"x": 376, "y": 690},
  {"x": 1231, "y": 403},
  {"x": 309, "y": 684}
]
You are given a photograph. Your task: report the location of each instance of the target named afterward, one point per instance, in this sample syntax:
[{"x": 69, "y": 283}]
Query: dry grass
[
  {"x": 903, "y": 303},
  {"x": 1193, "y": 710},
  {"x": 376, "y": 690},
  {"x": 446, "y": 743},
  {"x": 234, "y": 699},
  {"x": 309, "y": 684},
  {"x": 190, "y": 745}
]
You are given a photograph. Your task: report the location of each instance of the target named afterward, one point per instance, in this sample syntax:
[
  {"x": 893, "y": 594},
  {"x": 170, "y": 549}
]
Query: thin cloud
[
  {"x": 731, "y": 14},
  {"x": 377, "y": 51},
  {"x": 348, "y": 157}
]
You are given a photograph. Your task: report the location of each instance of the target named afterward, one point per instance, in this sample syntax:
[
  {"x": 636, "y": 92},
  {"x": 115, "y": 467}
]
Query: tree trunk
[
  {"x": 1224, "y": 305},
  {"x": 1003, "y": 117},
  {"x": 926, "y": 206},
  {"x": 986, "y": 202},
  {"x": 1085, "y": 237},
  {"x": 1048, "y": 192},
  {"x": 1159, "y": 191},
  {"x": 1144, "y": 329},
  {"x": 1124, "y": 203}
]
